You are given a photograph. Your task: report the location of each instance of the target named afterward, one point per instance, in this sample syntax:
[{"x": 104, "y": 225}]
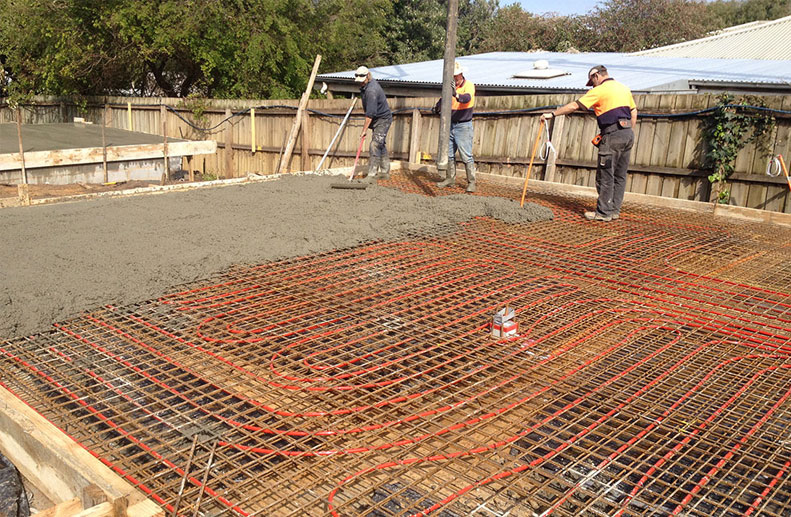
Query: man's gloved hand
[{"x": 546, "y": 117}]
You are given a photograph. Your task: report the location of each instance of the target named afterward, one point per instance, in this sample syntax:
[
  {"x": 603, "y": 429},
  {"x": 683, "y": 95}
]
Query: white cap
[
  {"x": 457, "y": 68},
  {"x": 361, "y": 73}
]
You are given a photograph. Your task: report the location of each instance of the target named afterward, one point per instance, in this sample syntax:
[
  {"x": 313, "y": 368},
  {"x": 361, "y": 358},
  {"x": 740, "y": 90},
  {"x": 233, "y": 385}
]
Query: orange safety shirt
[
  {"x": 610, "y": 101},
  {"x": 461, "y": 108}
]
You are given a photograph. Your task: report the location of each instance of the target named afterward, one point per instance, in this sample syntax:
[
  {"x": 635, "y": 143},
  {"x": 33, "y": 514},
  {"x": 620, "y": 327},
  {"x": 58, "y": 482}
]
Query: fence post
[
  {"x": 22, "y": 188},
  {"x": 414, "y": 139},
  {"x": 305, "y": 155},
  {"x": 252, "y": 130},
  {"x": 228, "y": 145},
  {"x": 104, "y": 144},
  {"x": 163, "y": 116}
]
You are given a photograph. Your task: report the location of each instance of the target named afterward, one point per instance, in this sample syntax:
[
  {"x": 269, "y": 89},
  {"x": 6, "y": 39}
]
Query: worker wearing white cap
[
  {"x": 460, "y": 128},
  {"x": 379, "y": 117}
]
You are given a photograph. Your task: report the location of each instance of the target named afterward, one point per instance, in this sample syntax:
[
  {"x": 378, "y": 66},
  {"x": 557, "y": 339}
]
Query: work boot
[
  {"x": 373, "y": 167},
  {"x": 450, "y": 176},
  {"x": 470, "y": 168},
  {"x": 595, "y": 216},
  {"x": 384, "y": 168}
]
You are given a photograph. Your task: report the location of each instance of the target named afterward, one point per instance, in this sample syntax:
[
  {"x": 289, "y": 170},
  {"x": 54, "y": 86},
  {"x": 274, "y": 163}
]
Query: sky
[{"x": 565, "y": 7}]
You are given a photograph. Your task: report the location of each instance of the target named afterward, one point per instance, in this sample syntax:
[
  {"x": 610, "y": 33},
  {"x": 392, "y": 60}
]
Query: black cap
[{"x": 595, "y": 70}]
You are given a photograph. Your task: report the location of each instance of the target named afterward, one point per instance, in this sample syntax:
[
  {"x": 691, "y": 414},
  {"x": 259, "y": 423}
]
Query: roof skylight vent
[{"x": 540, "y": 70}]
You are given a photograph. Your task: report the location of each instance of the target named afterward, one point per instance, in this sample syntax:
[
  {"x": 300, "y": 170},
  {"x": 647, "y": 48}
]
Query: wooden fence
[{"x": 666, "y": 160}]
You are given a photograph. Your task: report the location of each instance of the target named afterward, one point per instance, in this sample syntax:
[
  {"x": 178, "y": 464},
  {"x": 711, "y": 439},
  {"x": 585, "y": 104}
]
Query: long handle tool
[
  {"x": 358, "y": 185},
  {"x": 357, "y": 158},
  {"x": 337, "y": 133},
  {"x": 530, "y": 167}
]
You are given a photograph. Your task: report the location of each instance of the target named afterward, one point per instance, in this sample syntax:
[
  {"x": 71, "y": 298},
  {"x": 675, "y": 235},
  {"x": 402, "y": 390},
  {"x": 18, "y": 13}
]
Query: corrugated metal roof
[
  {"x": 641, "y": 73},
  {"x": 767, "y": 40}
]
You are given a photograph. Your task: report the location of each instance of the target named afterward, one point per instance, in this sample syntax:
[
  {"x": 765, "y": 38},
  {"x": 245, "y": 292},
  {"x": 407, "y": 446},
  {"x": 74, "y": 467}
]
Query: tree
[
  {"x": 350, "y": 33},
  {"x": 736, "y": 12},
  {"x": 62, "y": 47},
  {"x": 244, "y": 48},
  {"x": 514, "y": 30},
  {"x": 632, "y": 25},
  {"x": 416, "y": 31},
  {"x": 474, "y": 15}
]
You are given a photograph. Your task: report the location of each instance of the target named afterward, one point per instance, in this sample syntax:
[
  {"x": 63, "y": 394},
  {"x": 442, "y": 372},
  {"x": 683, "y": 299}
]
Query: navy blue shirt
[{"x": 374, "y": 100}]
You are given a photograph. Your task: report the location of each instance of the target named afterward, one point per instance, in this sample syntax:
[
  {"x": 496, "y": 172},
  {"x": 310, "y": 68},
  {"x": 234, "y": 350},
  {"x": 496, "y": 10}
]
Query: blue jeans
[{"x": 461, "y": 140}]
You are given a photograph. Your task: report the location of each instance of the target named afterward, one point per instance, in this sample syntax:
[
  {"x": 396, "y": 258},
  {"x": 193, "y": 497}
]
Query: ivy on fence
[{"x": 733, "y": 124}]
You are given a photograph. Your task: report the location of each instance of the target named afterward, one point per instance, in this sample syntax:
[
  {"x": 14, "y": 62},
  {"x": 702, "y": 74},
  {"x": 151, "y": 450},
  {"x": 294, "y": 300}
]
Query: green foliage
[
  {"x": 197, "y": 105},
  {"x": 251, "y": 48},
  {"x": 513, "y": 30},
  {"x": 265, "y": 48},
  {"x": 613, "y": 26},
  {"x": 736, "y": 12},
  {"x": 349, "y": 33},
  {"x": 734, "y": 124},
  {"x": 632, "y": 25}
]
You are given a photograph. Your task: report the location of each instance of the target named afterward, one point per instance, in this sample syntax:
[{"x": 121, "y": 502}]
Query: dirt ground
[{"x": 62, "y": 259}]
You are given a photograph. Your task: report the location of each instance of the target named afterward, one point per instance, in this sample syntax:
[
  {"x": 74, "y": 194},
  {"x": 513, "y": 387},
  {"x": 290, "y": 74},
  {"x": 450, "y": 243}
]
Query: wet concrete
[{"x": 59, "y": 260}]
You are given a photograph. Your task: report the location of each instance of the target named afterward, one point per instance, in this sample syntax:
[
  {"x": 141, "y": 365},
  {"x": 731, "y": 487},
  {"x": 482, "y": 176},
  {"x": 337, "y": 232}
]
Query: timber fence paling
[{"x": 666, "y": 159}]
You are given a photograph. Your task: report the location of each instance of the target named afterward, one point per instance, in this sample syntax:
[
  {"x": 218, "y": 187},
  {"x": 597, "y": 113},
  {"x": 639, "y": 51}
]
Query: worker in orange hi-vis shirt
[
  {"x": 616, "y": 114},
  {"x": 460, "y": 129}
]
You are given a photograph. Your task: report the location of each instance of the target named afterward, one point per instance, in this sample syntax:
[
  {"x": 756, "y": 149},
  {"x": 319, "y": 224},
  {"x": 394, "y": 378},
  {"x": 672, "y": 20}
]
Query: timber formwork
[{"x": 650, "y": 375}]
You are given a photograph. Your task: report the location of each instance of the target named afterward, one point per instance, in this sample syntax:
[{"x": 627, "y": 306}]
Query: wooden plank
[
  {"x": 305, "y": 137},
  {"x": 659, "y": 150},
  {"x": 775, "y": 198},
  {"x": 228, "y": 172},
  {"x": 414, "y": 137},
  {"x": 65, "y": 509},
  {"x": 572, "y": 144},
  {"x": 641, "y": 153},
  {"x": 738, "y": 195},
  {"x": 56, "y": 465},
  {"x": 115, "y": 153},
  {"x": 678, "y": 133},
  {"x": 166, "y": 164},
  {"x": 639, "y": 183},
  {"x": 653, "y": 185},
  {"x": 756, "y": 196},
  {"x": 686, "y": 188},
  {"x": 670, "y": 186},
  {"x": 303, "y": 103},
  {"x": 22, "y": 164},
  {"x": 588, "y": 151}
]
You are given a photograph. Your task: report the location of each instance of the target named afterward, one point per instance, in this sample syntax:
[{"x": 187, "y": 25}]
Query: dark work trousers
[
  {"x": 377, "y": 151},
  {"x": 614, "y": 151}
]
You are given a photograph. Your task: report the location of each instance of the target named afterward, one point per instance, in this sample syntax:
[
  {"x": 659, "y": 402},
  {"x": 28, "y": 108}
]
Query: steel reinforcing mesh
[{"x": 650, "y": 374}]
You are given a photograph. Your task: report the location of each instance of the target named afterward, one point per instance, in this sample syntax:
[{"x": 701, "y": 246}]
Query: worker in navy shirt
[
  {"x": 616, "y": 114},
  {"x": 379, "y": 118}
]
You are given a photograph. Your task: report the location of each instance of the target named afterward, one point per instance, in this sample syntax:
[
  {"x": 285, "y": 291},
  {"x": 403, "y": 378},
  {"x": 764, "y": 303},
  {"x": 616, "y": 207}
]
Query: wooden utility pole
[
  {"x": 292, "y": 137},
  {"x": 447, "y": 84}
]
